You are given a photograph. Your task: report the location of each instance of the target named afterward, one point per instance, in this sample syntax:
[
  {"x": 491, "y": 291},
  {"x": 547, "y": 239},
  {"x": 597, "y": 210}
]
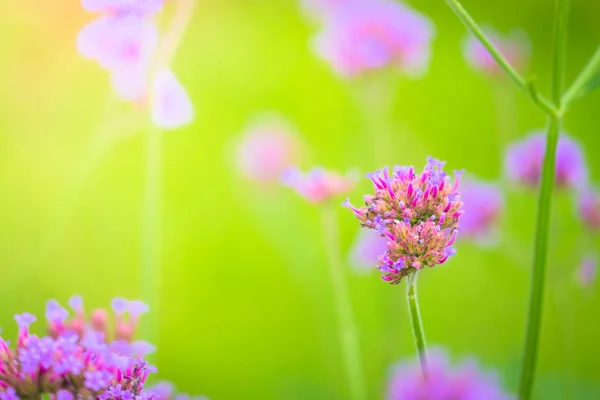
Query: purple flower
[
  {"x": 64, "y": 395},
  {"x": 371, "y": 35},
  {"x": 325, "y": 8},
  {"x": 515, "y": 48},
  {"x": 464, "y": 382},
  {"x": 318, "y": 185},
  {"x": 8, "y": 394},
  {"x": 24, "y": 320},
  {"x": 524, "y": 160},
  {"x": 589, "y": 208},
  {"x": 171, "y": 105},
  {"x": 586, "y": 273},
  {"x": 484, "y": 203},
  {"x": 419, "y": 214},
  {"x": 140, "y": 7},
  {"x": 55, "y": 312},
  {"x": 97, "y": 380},
  {"x": 368, "y": 246},
  {"x": 266, "y": 149}
]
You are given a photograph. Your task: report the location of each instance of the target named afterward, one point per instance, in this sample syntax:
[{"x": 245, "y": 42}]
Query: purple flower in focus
[
  {"x": 483, "y": 202},
  {"x": 368, "y": 246},
  {"x": 419, "y": 215},
  {"x": 266, "y": 149},
  {"x": 586, "y": 273},
  {"x": 370, "y": 35},
  {"x": 319, "y": 185},
  {"x": 515, "y": 48},
  {"x": 463, "y": 382},
  {"x": 171, "y": 105},
  {"x": 524, "y": 160},
  {"x": 589, "y": 208}
]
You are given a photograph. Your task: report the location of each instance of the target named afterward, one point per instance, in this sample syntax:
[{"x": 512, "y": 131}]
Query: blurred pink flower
[
  {"x": 586, "y": 273},
  {"x": 589, "y": 208},
  {"x": 464, "y": 382},
  {"x": 370, "y": 35},
  {"x": 123, "y": 6},
  {"x": 524, "y": 160},
  {"x": 483, "y": 204},
  {"x": 266, "y": 149},
  {"x": 171, "y": 106},
  {"x": 515, "y": 48},
  {"x": 318, "y": 185},
  {"x": 368, "y": 246}
]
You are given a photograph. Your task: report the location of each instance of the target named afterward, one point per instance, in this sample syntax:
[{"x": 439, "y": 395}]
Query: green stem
[
  {"x": 150, "y": 240},
  {"x": 347, "y": 326},
  {"x": 415, "y": 319},
  {"x": 591, "y": 68},
  {"x": 521, "y": 82},
  {"x": 534, "y": 317}
]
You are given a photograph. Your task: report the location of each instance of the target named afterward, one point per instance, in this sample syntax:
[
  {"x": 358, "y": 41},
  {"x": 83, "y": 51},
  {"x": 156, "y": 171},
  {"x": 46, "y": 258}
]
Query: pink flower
[
  {"x": 524, "y": 160},
  {"x": 419, "y": 214},
  {"x": 589, "y": 208},
  {"x": 171, "y": 105},
  {"x": 484, "y": 203},
  {"x": 266, "y": 149},
  {"x": 586, "y": 273},
  {"x": 318, "y": 185},
  {"x": 123, "y": 6},
  {"x": 514, "y": 47},
  {"x": 463, "y": 382},
  {"x": 371, "y": 35},
  {"x": 368, "y": 246}
]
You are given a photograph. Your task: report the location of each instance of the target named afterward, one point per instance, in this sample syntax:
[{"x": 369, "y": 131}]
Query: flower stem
[
  {"x": 150, "y": 239},
  {"x": 588, "y": 72},
  {"x": 347, "y": 326},
  {"x": 544, "y": 206},
  {"x": 521, "y": 82},
  {"x": 415, "y": 319}
]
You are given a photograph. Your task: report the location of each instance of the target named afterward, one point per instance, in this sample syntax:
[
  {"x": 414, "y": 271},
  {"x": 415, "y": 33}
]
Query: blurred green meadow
[{"x": 246, "y": 310}]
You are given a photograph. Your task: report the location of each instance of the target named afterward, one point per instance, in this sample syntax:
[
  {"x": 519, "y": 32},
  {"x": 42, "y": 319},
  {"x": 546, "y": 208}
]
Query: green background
[{"x": 246, "y": 310}]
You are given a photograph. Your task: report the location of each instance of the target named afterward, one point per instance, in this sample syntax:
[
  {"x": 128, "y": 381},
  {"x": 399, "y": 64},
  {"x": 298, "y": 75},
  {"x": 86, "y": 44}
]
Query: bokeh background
[{"x": 246, "y": 310}]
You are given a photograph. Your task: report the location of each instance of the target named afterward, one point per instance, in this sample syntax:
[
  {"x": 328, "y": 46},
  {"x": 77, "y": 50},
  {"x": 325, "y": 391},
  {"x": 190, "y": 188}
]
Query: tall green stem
[
  {"x": 534, "y": 317},
  {"x": 150, "y": 240},
  {"x": 415, "y": 319},
  {"x": 347, "y": 326}
]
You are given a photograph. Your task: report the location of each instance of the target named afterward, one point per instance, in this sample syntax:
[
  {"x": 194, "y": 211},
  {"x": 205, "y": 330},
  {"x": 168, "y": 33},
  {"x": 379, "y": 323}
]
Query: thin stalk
[
  {"x": 591, "y": 68},
  {"x": 534, "y": 317},
  {"x": 415, "y": 319},
  {"x": 150, "y": 240},
  {"x": 521, "y": 82},
  {"x": 347, "y": 326}
]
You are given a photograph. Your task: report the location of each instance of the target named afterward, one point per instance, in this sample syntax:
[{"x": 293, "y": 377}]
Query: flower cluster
[
  {"x": 364, "y": 35},
  {"x": 524, "y": 162},
  {"x": 418, "y": 214},
  {"x": 319, "y": 185},
  {"x": 515, "y": 48},
  {"x": 124, "y": 41},
  {"x": 78, "y": 359},
  {"x": 444, "y": 381},
  {"x": 485, "y": 202}
]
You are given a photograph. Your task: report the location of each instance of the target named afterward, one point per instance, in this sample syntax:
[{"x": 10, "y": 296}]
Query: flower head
[
  {"x": 318, "y": 185},
  {"x": 370, "y": 35},
  {"x": 266, "y": 149},
  {"x": 515, "y": 48},
  {"x": 418, "y": 214},
  {"x": 484, "y": 203},
  {"x": 589, "y": 208},
  {"x": 524, "y": 161},
  {"x": 444, "y": 382}
]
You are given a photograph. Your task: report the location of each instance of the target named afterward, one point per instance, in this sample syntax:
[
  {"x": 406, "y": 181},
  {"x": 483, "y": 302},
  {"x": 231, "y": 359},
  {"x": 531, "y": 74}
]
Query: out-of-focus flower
[
  {"x": 165, "y": 391},
  {"x": 586, "y": 273},
  {"x": 524, "y": 161},
  {"x": 419, "y": 214},
  {"x": 266, "y": 149},
  {"x": 465, "y": 381},
  {"x": 368, "y": 246},
  {"x": 124, "y": 41},
  {"x": 321, "y": 9},
  {"x": 589, "y": 208},
  {"x": 484, "y": 203},
  {"x": 515, "y": 47},
  {"x": 370, "y": 35},
  {"x": 171, "y": 105},
  {"x": 319, "y": 185}
]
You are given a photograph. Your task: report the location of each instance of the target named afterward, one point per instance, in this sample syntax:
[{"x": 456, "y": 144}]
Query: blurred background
[{"x": 246, "y": 310}]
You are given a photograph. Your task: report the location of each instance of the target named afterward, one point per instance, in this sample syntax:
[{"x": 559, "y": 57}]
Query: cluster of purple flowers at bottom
[
  {"x": 444, "y": 382},
  {"x": 418, "y": 213},
  {"x": 78, "y": 359}
]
